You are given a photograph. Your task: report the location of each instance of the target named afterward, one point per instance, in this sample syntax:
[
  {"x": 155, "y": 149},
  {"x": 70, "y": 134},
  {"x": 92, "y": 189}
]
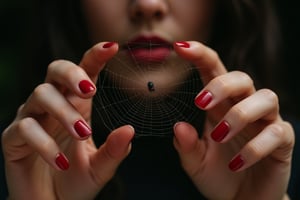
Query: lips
[{"x": 148, "y": 49}]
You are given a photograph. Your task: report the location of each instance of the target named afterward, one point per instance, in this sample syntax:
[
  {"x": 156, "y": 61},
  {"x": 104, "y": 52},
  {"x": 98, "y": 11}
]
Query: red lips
[{"x": 148, "y": 49}]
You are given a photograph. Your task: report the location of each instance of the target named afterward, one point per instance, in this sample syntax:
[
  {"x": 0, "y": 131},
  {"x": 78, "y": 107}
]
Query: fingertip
[
  {"x": 203, "y": 99},
  {"x": 110, "y": 154},
  {"x": 119, "y": 141},
  {"x": 87, "y": 87},
  {"x": 182, "y": 44},
  {"x": 180, "y": 47},
  {"x": 131, "y": 128},
  {"x": 177, "y": 134},
  {"x": 178, "y": 127},
  {"x": 82, "y": 129},
  {"x": 237, "y": 163},
  {"x": 105, "y": 50},
  {"x": 126, "y": 131},
  {"x": 189, "y": 50},
  {"x": 186, "y": 136},
  {"x": 62, "y": 162},
  {"x": 95, "y": 58},
  {"x": 110, "y": 46}
]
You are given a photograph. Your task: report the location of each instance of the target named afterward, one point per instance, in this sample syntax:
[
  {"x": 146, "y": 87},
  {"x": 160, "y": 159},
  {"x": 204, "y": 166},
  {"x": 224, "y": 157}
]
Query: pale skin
[{"x": 42, "y": 129}]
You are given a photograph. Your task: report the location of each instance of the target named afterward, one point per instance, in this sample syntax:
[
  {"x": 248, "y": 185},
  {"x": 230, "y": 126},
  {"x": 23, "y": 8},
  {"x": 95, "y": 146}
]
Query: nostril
[
  {"x": 139, "y": 14},
  {"x": 141, "y": 10},
  {"x": 158, "y": 14}
]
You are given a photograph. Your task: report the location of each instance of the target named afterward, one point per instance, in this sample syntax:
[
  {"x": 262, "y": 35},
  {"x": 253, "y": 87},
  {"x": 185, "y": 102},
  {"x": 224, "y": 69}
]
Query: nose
[{"x": 148, "y": 10}]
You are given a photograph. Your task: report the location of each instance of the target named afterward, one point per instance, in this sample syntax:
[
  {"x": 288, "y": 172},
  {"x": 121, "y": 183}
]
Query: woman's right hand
[{"x": 47, "y": 149}]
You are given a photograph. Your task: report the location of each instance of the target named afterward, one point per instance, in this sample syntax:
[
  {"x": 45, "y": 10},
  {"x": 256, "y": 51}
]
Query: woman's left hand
[{"x": 246, "y": 147}]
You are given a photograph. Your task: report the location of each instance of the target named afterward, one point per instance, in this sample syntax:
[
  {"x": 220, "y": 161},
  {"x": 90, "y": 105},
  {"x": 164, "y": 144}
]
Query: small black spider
[{"x": 151, "y": 86}]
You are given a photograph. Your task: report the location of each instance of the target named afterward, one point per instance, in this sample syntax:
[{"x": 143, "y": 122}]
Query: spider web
[{"x": 150, "y": 107}]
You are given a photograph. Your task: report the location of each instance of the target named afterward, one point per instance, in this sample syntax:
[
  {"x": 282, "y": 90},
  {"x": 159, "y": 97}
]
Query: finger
[
  {"x": 190, "y": 149},
  {"x": 33, "y": 134},
  {"x": 46, "y": 99},
  {"x": 96, "y": 57},
  {"x": 67, "y": 75},
  {"x": 275, "y": 139},
  {"x": 105, "y": 162},
  {"x": 233, "y": 85},
  {"x": 80, "y": 79},
  {"x": 262, "y": 105},
  {"x": 206, "y": 60}
]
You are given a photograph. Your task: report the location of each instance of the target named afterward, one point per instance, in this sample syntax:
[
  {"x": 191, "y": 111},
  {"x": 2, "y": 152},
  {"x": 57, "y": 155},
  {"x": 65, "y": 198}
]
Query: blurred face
[
  {"x": 145, "y": 31},
  {"x": 173, "y": 20}
]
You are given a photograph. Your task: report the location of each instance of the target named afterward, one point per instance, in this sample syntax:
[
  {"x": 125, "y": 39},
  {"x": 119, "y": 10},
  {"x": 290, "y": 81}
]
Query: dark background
[{"x": 16, "y": 20}]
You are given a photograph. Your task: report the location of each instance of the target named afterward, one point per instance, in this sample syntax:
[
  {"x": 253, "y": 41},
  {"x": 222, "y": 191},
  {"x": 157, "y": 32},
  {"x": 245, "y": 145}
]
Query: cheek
[
  {"x": 105, "y": 19},
  {"x": 195, "y": 19}
]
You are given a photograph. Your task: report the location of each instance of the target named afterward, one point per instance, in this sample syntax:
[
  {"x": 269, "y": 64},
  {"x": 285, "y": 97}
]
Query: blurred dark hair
[{"x": 245, "y": 35}]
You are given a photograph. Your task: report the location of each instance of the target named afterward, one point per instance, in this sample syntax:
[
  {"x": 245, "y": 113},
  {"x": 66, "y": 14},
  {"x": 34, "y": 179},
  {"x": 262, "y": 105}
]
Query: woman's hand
[
  {"x": 246, "y": 148},
  {"x": 53, "y": 128}
]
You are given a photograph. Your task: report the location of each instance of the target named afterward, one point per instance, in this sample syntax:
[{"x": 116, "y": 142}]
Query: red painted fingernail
[
  {"x": 182, "y": 44},
  {"x": 108, "y": 45},
  {"x": 203, "y": 99},
  {"x": 61, "y": 161},
  {"x": 220, "y": 132},
  {"x": 86, "y": 86},
  {"x": 82, "y": 129},
  {"x": 236, "y": 163}
]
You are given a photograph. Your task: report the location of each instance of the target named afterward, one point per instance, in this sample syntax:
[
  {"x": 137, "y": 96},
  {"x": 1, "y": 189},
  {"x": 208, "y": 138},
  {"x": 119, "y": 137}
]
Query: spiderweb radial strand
[{"x": 150, "y": 107}]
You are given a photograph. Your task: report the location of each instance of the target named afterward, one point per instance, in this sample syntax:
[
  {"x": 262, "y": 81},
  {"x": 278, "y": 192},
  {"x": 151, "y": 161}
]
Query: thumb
[
  {"x": 190, "y": 148},
  {"x": 109, "y": 156}
]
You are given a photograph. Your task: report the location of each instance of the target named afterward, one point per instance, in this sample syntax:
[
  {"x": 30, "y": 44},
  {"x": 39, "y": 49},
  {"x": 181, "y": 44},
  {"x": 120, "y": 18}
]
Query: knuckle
[
  {"x": 288, "y": 126},
  {"x": 215, "y": 57},
  {"x": 288, "y": 132},
  {"x": 70, "y": 71},
  {"x": 213, "y": 54},
  {"x": 244, "y": 77},
  {"x": 255, "y": 149},
  {"x": 46, "y": 146},
  {"x": 54, "y": 64},
  {"x": 86, "y": 53},
  {"x": 24, "y": 124},
  {"x": 20, "y": 109},
  {"x": 239, "y": 114},
  {"x": 269, "y": 95},
  {"x": 277, "y": 131},
  {"x": 63, "y": 68},
  {"x": 91, "y": 53},
  {"x": 291, "y": 133},
  {"x": 4, "y": 135},
  {"x": 221, "y": 83},
  {"x": 284, "y": 133},
  {"x": 42, "y": 89},
  {"x": 64, "y": 114}
]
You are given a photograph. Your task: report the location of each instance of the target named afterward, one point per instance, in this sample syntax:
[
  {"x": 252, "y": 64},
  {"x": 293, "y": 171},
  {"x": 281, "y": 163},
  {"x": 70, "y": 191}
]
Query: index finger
[
  {"x": 206, "y": 59},
  {"x": 95, "y": 58}
]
